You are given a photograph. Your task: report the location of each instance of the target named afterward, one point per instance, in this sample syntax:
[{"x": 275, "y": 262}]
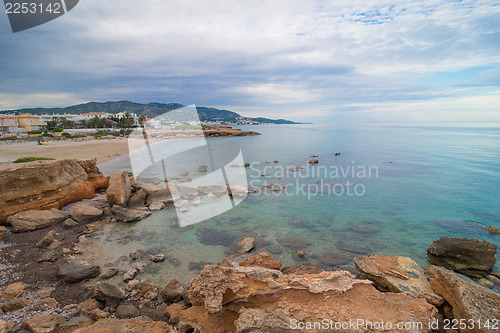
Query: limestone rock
[
  {"x": 41, "y": 324},
  {"x": 108, "y": 293},
  {"x": 6, "y": 327},
  {"x": 138, "y": 199},
  {"x": 42, "y": 186},
  {"x": 108, "y": 273},
  {"x": 202, "y": 168},
  {"x": 163, "y": 195},
  {"x": 127, "y": 325},
  {"x": 36, "y": 219},
  {"x": 157, "y": 257},
  {"x": 302, "y": 269},
  {"x": 467, "y": 299},
  {"x": 84, "y": 213},
  {"x": 172, "y": 292},
  {"x": 241, "y": 246},
  {"x": 129, "y": 215},
  {"x": 12, "y": 290},
  {"x": 397, "y": 274},
  {"x": 69, "y": 223},
  {"x": 261, "y": 260},
  {"x": 15, "y": 304},
  {"x": 493, "y": 230},
  {"x": 118, "y": 191},
  {"x": 459, "y": 254},
  {"x": 95, "y": 177}
]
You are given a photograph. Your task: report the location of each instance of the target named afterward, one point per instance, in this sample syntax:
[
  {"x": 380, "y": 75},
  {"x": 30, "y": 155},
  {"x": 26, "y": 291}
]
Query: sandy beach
[{"x": 103, "y": 150}]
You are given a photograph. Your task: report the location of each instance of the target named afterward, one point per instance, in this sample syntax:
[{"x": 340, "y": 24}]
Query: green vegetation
[
  {"x": 34, "y": 132},
  {"x": 31, "y": 159},
  {"x": 58, "y": 130}
]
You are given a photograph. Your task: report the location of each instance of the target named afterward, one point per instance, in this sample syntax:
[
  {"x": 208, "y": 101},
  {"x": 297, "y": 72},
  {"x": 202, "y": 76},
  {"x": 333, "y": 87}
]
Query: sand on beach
[{"x": 103, "y": 150}]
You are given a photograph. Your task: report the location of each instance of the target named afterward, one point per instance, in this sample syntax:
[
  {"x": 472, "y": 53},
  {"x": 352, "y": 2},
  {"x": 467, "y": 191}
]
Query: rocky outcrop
[
  {"x": 261, "y": 260},
  {"x": 226, "y": 131},
  {"x": 129, "y": 215},
  {"x": 397, "y": 274},
  {"x": 256, "y": 299},
  {"x": 36, "y": 219},
  {"x": 42, "y": 324},
  {"x": 95, "y": 177},
  {"x": 42, "y": 186},
  {"x": 462, "y": 254},
  {"x": 127, "y": 325},
  {"x": 3, "y": 232},
  {"x": 119, "y": 190},
  {"x": 467, "y": 299}
]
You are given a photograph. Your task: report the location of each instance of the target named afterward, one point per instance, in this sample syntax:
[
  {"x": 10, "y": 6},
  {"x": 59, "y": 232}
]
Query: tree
[
  {"x": 127, "y": 120},
  {"x": 142, "y": 119}
]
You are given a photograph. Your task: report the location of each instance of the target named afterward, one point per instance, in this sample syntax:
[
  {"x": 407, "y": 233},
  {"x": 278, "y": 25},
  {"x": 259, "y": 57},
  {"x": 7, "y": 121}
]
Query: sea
[{"x": 392, "y": 190}]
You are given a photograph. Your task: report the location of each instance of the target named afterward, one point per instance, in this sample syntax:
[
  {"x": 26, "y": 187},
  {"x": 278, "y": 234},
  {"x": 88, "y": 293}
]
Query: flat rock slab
[
  {"x": 397, "y": 274},
  {"x": 73, "y": 272},
  {"x": 36, "y": 219}
]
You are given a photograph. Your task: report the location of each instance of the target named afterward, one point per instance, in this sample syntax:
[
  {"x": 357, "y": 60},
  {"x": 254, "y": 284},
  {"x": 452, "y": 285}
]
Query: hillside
[{"x": 150, "y": 110}]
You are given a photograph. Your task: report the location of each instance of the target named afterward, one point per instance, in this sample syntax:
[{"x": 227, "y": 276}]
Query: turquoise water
[{"x": 427, "y": 182}]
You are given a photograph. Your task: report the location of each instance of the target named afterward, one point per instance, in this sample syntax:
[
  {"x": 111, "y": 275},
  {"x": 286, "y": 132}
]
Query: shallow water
[{"x": 430, "y": 182}]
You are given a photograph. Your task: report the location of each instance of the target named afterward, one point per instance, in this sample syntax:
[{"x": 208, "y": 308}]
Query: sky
[{"x": 404, "y": 61}]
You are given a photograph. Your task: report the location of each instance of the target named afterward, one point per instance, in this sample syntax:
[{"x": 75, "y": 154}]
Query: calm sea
[{"x": 412, "y": 184}]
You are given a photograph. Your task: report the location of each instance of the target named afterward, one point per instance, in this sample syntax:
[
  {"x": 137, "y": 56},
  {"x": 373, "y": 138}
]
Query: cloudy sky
[{"x": 418, "y": 61}]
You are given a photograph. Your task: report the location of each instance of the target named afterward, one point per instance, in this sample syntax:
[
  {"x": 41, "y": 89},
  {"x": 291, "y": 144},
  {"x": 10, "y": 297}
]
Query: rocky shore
[{"x": 48, "y": 285}]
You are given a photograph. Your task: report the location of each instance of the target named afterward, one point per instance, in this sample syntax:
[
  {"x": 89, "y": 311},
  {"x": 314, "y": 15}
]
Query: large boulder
[
  {"x": 42, "y": 186},
  {"x": 129, "y": 215},
  {"x": 172, "y": 292},
  {"x": 468, "y": 300},
  {"x": 222, "y": 296},
  {"x": 462, "y": 254},
  {"x": 75, "y": 271},
  {"x": 108, "y": 293},
  {"x": 119, "y": 190},
  {"x": 85, "y": 213},
  {"x": 36, "y": 219},
  {"x": 397, "y": 274},
  {"x": 95, "y": 177}
]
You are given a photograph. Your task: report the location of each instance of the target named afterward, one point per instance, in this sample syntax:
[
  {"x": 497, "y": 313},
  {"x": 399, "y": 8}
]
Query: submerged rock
[
  {"x": 493, "y": 230},
  {"x": 302, "y": 269},
  {"x": 36, "y": 219},
  {"x": 241, "y": 246},
  {"x": 333, "y": 259},
  {"x": 461, "y": 254},
  {"x": 397, "y": 274},
  {"x": 294, "y": 241}
]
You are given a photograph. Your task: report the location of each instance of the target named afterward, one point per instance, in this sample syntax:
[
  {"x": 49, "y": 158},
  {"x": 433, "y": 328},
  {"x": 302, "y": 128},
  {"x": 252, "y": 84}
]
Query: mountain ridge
[{"x": 151, "y": 110}]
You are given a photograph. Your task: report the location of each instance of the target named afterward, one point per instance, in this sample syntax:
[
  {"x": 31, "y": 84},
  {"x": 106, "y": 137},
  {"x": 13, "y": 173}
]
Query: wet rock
[
  {"x": 234, "y": 260},
  {"x": 313, "y": 161},
  {"x": 75, "y": 271},
  {"x": 261, "y": 260},
  {"x": 468, "y": 300},
  {"x": 15, "y": 304},
  {"x": 275, "y": 249},
  {"x": 12, "y": 291},
  {"x": 293, "y": 241},
  {"x": 300, "y": 254},
  {"x": 108, "y": 293},
  {"x": 172, "y": 292},
  {"x": 127, "y": 325},
  {"x": 157, "y": 257},
  {"x": 129, "y": 274},
  {"x": 69, "y": 223},
  {"x": 493, "y": 230},
  {"x": 85, "y": 213},
  {"x": 48, "y": 256},
  {"x": 460, "y": 254},
  {"x": 125, "y": 311},
  {"x": 136, "y": 254},
  {"x": 186, "y": 192},
  {"x": 485, "y": 283},
  {"x": 119, "y": 190},
  {"x": 397, "y": 274},
  {"x": 275, "y": 187},
  {"x": 210, "y": 236},
  {"x": 164, "y": 196},
  {"x": 333, "y": 259},
  {"x": 138, "y": 199},
  {"x": 302, "y": 269},
  {"x": 217, "y": 190},
  {"x": 47, "y": 239},
  {"x": 239, "y": 191},
  {"x": 176, "y": 262},
  {"x": 202, "y": 168},
  {"x": 144, "y": 290},
  {"x": 108, "y": 273},
  {"x": 42, "y": 324},
  {"x": 3, "y": 232},
  {"x": 129, "y": 215},
  {"x": 36, "y": 219},
  {"x": 241, "y": 246},
  {"x": 141, "y": 267}
]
